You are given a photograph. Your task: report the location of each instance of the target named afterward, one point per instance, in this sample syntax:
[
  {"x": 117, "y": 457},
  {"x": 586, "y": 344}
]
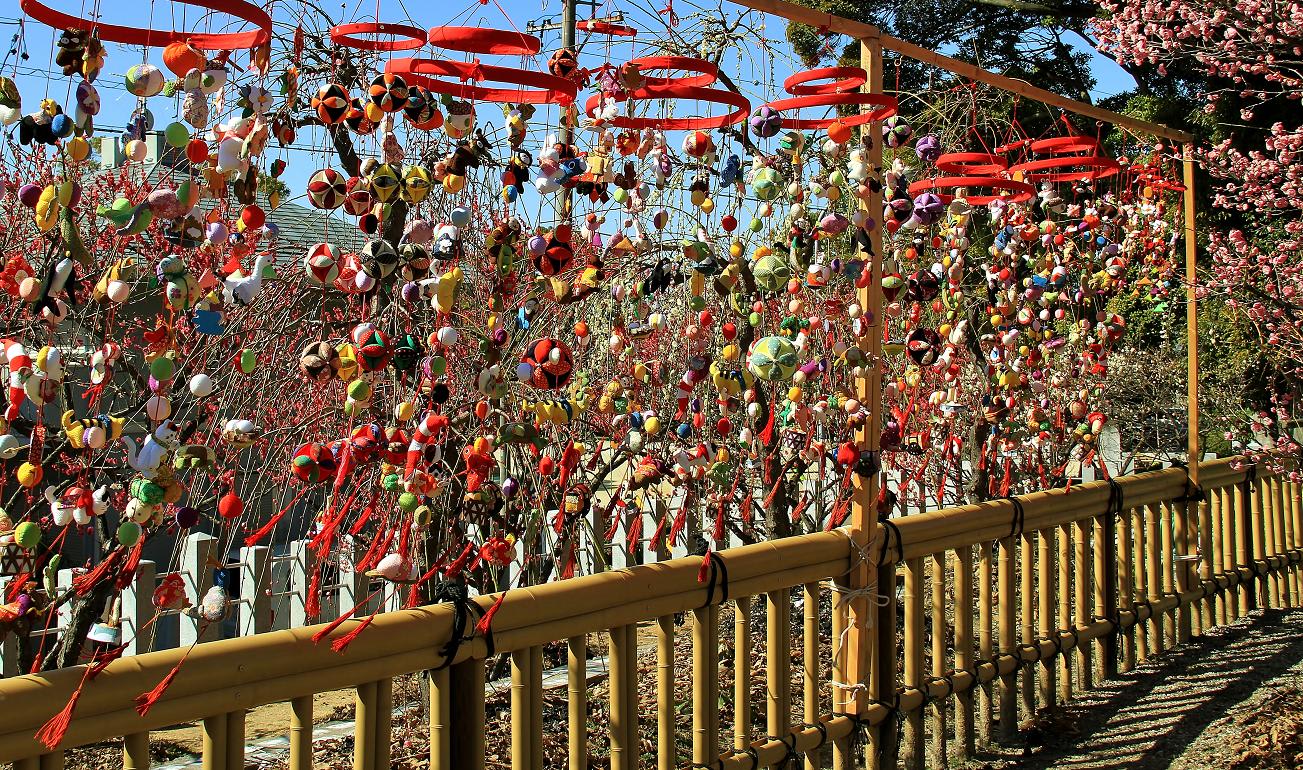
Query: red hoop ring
[
  {"x": 114, "y": 33},
  {"x": 887, "y": 106},
  {"x": 851, "y": 79},
  {"x": 708, "y": 69},
  {"x": 1023, "y": 191},
  {"x": 1100, "y": 168},
  {"x": 1065, "y": 145},
  {"x": 971, "y": 163},
  {"x": 741, "y": 105},
  {"x": 606, "y": 28},
  {"x": 341, "y": 34},
  {"x": 485, "y": 41},
  {"x": 551, "y": 89}
]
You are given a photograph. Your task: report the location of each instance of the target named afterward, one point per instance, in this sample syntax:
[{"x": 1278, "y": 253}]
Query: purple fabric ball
[
  {"x": 186, "y": 517},
  {"x": 766, "y": 122},
  {"x": 928, "y": 148},
  {"x": 928, "y": 208}
]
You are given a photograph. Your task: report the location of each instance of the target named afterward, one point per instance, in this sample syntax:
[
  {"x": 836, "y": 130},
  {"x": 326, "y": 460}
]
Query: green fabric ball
[
  {"x": 129, "y": 533},
  {"x": 28, "y": 534}
]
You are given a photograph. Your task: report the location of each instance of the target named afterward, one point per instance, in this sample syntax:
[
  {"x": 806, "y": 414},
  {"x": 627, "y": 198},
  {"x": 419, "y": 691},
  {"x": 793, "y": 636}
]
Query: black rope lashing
[
  {"x": 1194, "y": 493},
  {"x": 792, "y": 754},
  {"x": 892, "y": 531},
  {"x": 454, "y": 592},
  {"x": 716, "y": 576},
  {"x": 1019, "y": 517},
  {"x": 823, "y": 733}
]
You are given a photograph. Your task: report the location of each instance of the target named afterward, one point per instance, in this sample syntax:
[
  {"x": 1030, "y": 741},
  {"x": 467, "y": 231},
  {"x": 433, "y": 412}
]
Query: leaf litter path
[{"x": 1179, "y": 712}]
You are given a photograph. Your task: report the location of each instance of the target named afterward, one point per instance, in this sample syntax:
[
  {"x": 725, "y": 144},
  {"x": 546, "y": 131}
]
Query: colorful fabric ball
[
  {"x": 772, "y": 359},
  {"x": 388, "y": 92},
  {"x": 331, "y": 103},
  {"x": 766, "y": 122},
  {"x": 416, "y": 184},
  {"x": 384, "y": 182},
  {"x": 313, "y": 463},
  {"x": 551, "y": 363},
  {"x": 327, "y": 189},
  {"x": 319, "y": 361},
  {"x": 321, "y": 264},
  {"x": 373, "y": 350}
]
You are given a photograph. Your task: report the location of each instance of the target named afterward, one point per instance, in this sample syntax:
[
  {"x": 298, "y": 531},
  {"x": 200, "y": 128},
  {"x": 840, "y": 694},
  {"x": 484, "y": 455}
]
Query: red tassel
[
  {"x": 366, "y": 515},
  {"x": 559, "y": 521},
  {"x": 36, "y": 664},
  {"x": 51, "y": 733},
  {"x": 146, "y": 700},
  {"x": 312, "y": 602},
  {"x": 610, "y": 531},
  {"x": 635, "y": 532},
  {"x": 130, "y": 565},
  {"x": 680, "y": 521},
  {"x": 704, "y": 571},
  {"x": 800, "y": 507},
  {"x": 457, "y": 566},
  {"x": 568, "y": 571},
  {"x": 486, "y": 623},
  {"x": 342, "y": 643},
  {"x": 767, "y": 435},
  {"x": 660, "y": 532},
  {"x": 266, "y": 529},
  {"x": 16, "y": 586},
  {"x": 718, "y": 532},
  {"x": 83, "y": 585}
]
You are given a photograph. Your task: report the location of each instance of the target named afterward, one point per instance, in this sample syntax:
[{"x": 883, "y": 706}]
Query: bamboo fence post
[
  {"x": 235, "y": 740},
  {"x": 1296, "y": 538},
  {"x": 577, "y": 701},
  {"x": 1208, "y": 609},
  {"x": 634, "y": 741},
  {"x": 1027, "y": 615},
  {"x": 914, "y": 757},
  {"x": 1140, "y": 569},
  {"x": 521, "y": 718},
  {"x": 965, "y": 747},
  {"x": 885, "y": 677},
  {"x": 1045, "y": 610},
  {"x": 28, "y": 763},
  {"x": 1081, "y": 600},
  {"x": 1126, "y": 584},
  {"x": 1008, "y": 644},
  {"x": 1286, "y": 540},
  {"x": 621, "y": 681},
  {"x": 384, "y": 723},
  {"x": 985, "y": 640},
  {"x": 666, "y": 746},
  {"x": 1217, "y": 552},
  {"x": 214, "y": 742},
  {"x": 1190, "y": 204},
  {"x": 1282, "y": 543},
  {"x": 364, "y": 723},
  {"x": 742, "y": 673},
  {"x": 1231, "y": 550},
  {"x": 705, "y": 683},
  {"x": 1157, "y": 584},
  {"x": 940, "y": 663},
  {"x": 1105, "y": 598},
  {"x": 466, "y": 710},
  {"x": 1269, "y": 543},
  {"x": 54, "y": 761},
  {"x": 841, "y": 754},
  {"x": 300, "y": 735},
  {"x": 1244, "y": 547},
  {"x": 1064, "y": 588},
  {"x": 810, "y": 701},
  {"x": 135, "y": 752},
  {"x": 440, "y": 721},
  {"x": 778, "y": 674},
  {"x": 1167, "y": 566}
]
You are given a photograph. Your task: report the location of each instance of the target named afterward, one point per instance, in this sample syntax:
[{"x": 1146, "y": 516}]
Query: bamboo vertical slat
[
  {"x": 384, "y": 725},
  {"x": 1081, "y": 600},
  {"x": 1288, "y": 543},
  {"x": 778, "y": 662},
  {"x": 440, "y": 730},
  {"x": 1045, "y": 610},
  {"x": 1269, "y": 543},
  {"x": 235, "y": 740},
  {"x": 1064, "y": 589},
  {"x": 1282, "y": 539},
  {"x": 705, "y": 682},
  {"x": 1208, "y": 608},
  {"x": 135, "y": 753},
  {"x": 1295, "y": 504},
  {"x": 1140, "y": 560},
  {"x": 467, "y": 710},
  {"x": 522, "y": 718},
  {"x": 666, "y": 746},
  {"x": 1027, "y": 615},
  {"x": 536, "y": 706},
  {"x": 940, "y": 661},
  {"x": 811, "y": 706},
  {"x": 214, "y": 743},
  {"x": 913, "y": 756},
  {"x": 742, "y": 673},
  {"x": 1103, "y": 648},
  {"x": 1008, "y": 698},
  {"x": 884, "y": 675},
  {"x": 1216, "y": 557},
  {"x": 1244, "y": 548},
  {"x": 985, "y": 641},
  {"x": 577, "y": 702},
  {"x": 1180, "y": 514},
  {"x": 364, "y": 723},
  {"x": 621, "y": 680},
  {"x": 54, "y": 761},
  {"x": 1126, "y": 565},
  {"x": 1167, "y": 533},
  {"x": 1259, "y": 549},
  {"x": 1154, "y": 568},
  {"x": 965, "y": 745},
  {"x": 631, "y": 651},
  {"x": 841, "y": 699}
]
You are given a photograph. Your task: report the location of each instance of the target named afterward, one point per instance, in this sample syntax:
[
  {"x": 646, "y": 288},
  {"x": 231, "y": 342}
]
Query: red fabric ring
[
  {"x": 114, "y": 33},
  {"x": 1021, "y": 191},
  {"x": 1096, "y": 167},
  {"x": 886, "y": 108},
  {"x": 606, "y": 28},
  {"x": 678, "y": 91},
  {"x": 971, "y": 163},
  {"x": 551, "y": 89},
  {"x": 709, "y": 70},
  {"x": 488, "y": 41},
  {"x": 851, "y": 79},
  {"x": 1061, "y": 145},
  {"x": 342, "y": 34}
]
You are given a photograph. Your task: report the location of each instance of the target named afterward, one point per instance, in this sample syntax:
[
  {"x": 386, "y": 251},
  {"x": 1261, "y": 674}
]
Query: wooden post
[
  {"x": 235, "y": 740},
  {"x": 621, "y": 680},
  {"x": 1007, "y": 686},
  {"x": 364, "y": 722},
  {"x": 705, "y": 685},
  {"x": 1027, "y": 615},
  {"x": 1139, "y": 560},
  {"x": 1166, "y": 544},
  {"x": 985, "y": 640},
  {"x": 1217, "y": 509},
  {"x": 1081, "y": 530},
  {"x": 1126, "y": 584},
  {"x": 1064, "y": 589},
  {"x": 913, "y": 756},
  {"x": 809, "y": 665},
  {"x": 577, "y": 701},
  {"x": 742, "y": 673},
  {"x": 1190, "y": 511},
  {"x": 214, "y": 742},
  {"x": 778, "y": 652},
  {"x": 940, "y": 661},
  {"x": 1045, "y": 610},
  {"x": 522, "y": 718}
]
